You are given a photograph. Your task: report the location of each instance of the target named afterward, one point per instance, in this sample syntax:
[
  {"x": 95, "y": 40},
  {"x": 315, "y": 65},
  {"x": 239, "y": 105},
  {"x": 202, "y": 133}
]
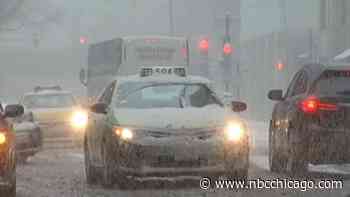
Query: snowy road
[{"x": 59, "y": 173}]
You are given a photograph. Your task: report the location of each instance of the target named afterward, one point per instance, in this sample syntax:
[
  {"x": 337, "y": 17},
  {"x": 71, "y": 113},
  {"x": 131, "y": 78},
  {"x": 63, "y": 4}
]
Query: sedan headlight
[
  {"x": 2, "y": 138},
  {"x": 79, "y": 119},
  {"x": 234, "y": 131},
  {"x": 124, "y": 133}
]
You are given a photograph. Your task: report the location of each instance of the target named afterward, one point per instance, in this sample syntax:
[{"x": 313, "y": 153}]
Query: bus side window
[{"x": 124, "y": 52}]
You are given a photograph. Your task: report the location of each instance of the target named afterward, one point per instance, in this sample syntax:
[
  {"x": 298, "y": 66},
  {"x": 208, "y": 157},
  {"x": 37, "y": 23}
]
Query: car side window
[
  {"x": 106, "y": 96},
  {"x": 300, "y": 86},
  {"x": 291, "y": 85}
]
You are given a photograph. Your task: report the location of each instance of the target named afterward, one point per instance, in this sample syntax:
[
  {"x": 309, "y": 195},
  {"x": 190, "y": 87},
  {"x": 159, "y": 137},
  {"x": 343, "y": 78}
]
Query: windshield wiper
[{"x": 345, "y": 92}]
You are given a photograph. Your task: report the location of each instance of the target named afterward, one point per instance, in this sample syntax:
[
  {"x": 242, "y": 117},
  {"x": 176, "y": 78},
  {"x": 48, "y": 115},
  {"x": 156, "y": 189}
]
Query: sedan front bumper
[
  {"x": 147, "y": 171},
  {"x": 181, "y": 157},
  {"x": 60, "y": 129}
]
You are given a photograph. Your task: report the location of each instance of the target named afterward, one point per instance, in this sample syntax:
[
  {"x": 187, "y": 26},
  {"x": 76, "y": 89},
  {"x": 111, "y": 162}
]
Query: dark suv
[
  {"x": 7, "y": 150},
  {"x": 311, "y": 121}
]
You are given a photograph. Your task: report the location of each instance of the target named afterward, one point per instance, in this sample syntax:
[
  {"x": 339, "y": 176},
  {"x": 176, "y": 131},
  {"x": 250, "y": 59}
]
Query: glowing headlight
[
  {"x": 79, "y": 119},
  {"x": 234, "y": 131},
  {"x": 2, "y": 138},
  {"x": 124, "y": 133}
]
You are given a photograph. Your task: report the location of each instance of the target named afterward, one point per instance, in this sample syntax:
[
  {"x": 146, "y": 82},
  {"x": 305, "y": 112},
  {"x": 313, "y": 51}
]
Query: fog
[{"x": 40, "y": 40}]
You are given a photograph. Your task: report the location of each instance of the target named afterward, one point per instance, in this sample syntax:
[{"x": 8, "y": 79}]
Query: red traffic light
[
  {"x": 280, "y": 66},
  {"x": 82, "y": 40},
  {"x": 204, "y": 45},
  {"x": 227, "y": 49}
]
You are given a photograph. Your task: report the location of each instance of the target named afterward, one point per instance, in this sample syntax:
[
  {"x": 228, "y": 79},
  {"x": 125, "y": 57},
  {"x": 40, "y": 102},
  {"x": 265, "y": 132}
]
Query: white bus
[{"x": 126, "y": 55}]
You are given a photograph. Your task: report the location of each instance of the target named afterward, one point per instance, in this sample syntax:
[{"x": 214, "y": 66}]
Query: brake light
[
  {"x": 184, "y": 52},
  {"x": 312, "y": 104}
]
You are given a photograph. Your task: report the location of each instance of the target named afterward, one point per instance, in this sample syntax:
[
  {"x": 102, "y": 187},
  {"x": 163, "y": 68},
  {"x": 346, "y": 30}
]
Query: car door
[
  {"x": 278, "y": 116},
  {"x": 290, "y": 106},
  {"x": 91, "y": 132},
  {"x": 100, "y": 122},
  {"x": 299, "y": 90}
]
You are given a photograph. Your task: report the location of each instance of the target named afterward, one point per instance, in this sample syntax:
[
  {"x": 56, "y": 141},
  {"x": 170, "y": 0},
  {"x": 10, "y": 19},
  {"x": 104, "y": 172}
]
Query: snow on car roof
[
  {"x": 162, "y": 79},
  {"x": 48, "y": 92},
  {"x": 129, "y": 38}
]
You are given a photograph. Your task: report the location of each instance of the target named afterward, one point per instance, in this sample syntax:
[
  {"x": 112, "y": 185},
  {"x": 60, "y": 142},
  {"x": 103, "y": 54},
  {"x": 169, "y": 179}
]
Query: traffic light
[
  {"x": 203, "y": 46},
  {"x": 279, "y": 66},
  {"x": 83, "y": 40},
  {"x": 227, "y": 49}
]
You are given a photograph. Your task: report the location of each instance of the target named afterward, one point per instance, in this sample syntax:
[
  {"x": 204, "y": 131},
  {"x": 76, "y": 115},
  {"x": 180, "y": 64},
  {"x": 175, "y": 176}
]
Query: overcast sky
[{"x": 104, "y": 19}]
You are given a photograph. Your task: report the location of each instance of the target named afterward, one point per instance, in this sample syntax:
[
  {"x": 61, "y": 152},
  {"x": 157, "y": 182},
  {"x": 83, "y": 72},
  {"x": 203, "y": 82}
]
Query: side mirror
[
  {"x": 82, "y": 77},
  {"x": 13, "y": 111},
  {"x": 99, "y": 108},
  {"x": 275, "y": 95},
  {"x": 238, "y": 106}
]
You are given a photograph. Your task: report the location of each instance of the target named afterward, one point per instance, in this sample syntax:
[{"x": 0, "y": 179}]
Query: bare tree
[
  {"x": 30, "y": 14},
  {"x": 8, "y": 10}
]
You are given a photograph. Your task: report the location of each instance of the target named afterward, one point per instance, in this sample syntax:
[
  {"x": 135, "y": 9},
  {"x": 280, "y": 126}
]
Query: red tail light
[
  {"x": 184, "y": 52},
  {"x": 313, "y": 104}
]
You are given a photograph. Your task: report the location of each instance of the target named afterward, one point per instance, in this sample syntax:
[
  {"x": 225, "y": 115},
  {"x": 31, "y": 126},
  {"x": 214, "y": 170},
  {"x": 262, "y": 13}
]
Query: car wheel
[
  {"x": 296, "y": 163},
  {"x": 276, "y": 161},
  {"x": 107, "y": 172},
  {"x": 8, "y": 192},
  {"x": 241, "y": 174},
  {"x": 90, "y": 171},
  {"x": 11, "y": 192}
]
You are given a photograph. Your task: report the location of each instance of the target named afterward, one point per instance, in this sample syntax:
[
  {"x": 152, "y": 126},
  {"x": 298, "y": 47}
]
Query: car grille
[
  {"x": 201, "y": 135},
  {"x": 170, "y": 162}
]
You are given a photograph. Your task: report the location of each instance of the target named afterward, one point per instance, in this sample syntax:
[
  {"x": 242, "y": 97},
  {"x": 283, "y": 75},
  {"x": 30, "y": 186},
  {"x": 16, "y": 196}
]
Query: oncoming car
[
  {"x": 310, "y": 122},
  {"x": 7, "y": 150},
  {"x": 28, "y": 136},
  {"x": 163, "y": 125},
  {"x": 56, "y": 111}
]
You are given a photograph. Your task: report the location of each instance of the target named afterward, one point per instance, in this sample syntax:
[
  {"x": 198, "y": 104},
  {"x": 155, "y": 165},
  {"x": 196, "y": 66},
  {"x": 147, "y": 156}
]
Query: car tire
[
  {"x": 296, "y": 162},
  {"x": 8, "y": 192},
  {"x": 11, "y": 192},
  {"x": 90, "y": 171},
  {"x": 276, "y": 161},
  {"x": 241, "y": 174},
  {"x": 107, "y": 172}
]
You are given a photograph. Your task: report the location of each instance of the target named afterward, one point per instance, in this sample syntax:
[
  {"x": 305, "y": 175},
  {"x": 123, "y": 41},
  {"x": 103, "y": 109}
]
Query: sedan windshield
[
  {"x": 165, "y": 96},
  {"x": 48, "y": 101}
]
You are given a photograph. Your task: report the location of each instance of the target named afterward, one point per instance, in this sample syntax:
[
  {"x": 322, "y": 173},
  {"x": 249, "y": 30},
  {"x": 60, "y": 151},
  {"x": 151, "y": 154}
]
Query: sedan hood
[
  {"x": 174, "y": 118},
  {"x": 50, "y": 115}
]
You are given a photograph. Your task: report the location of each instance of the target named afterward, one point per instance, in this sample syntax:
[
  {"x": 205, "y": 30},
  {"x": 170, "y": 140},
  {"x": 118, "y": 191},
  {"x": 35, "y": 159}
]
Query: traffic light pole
[
  {"x": 227, "y": 58},
  {"x": 171, "y": 18}
]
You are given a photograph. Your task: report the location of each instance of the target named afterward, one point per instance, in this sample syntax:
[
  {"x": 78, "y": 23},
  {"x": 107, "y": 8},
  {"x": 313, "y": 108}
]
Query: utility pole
[
  {"x": 171, "y": 18},
  {"x": 283, "y": 45},
  {"x": 204, "y": 46},
  {"x": 227, "y": 55}
]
